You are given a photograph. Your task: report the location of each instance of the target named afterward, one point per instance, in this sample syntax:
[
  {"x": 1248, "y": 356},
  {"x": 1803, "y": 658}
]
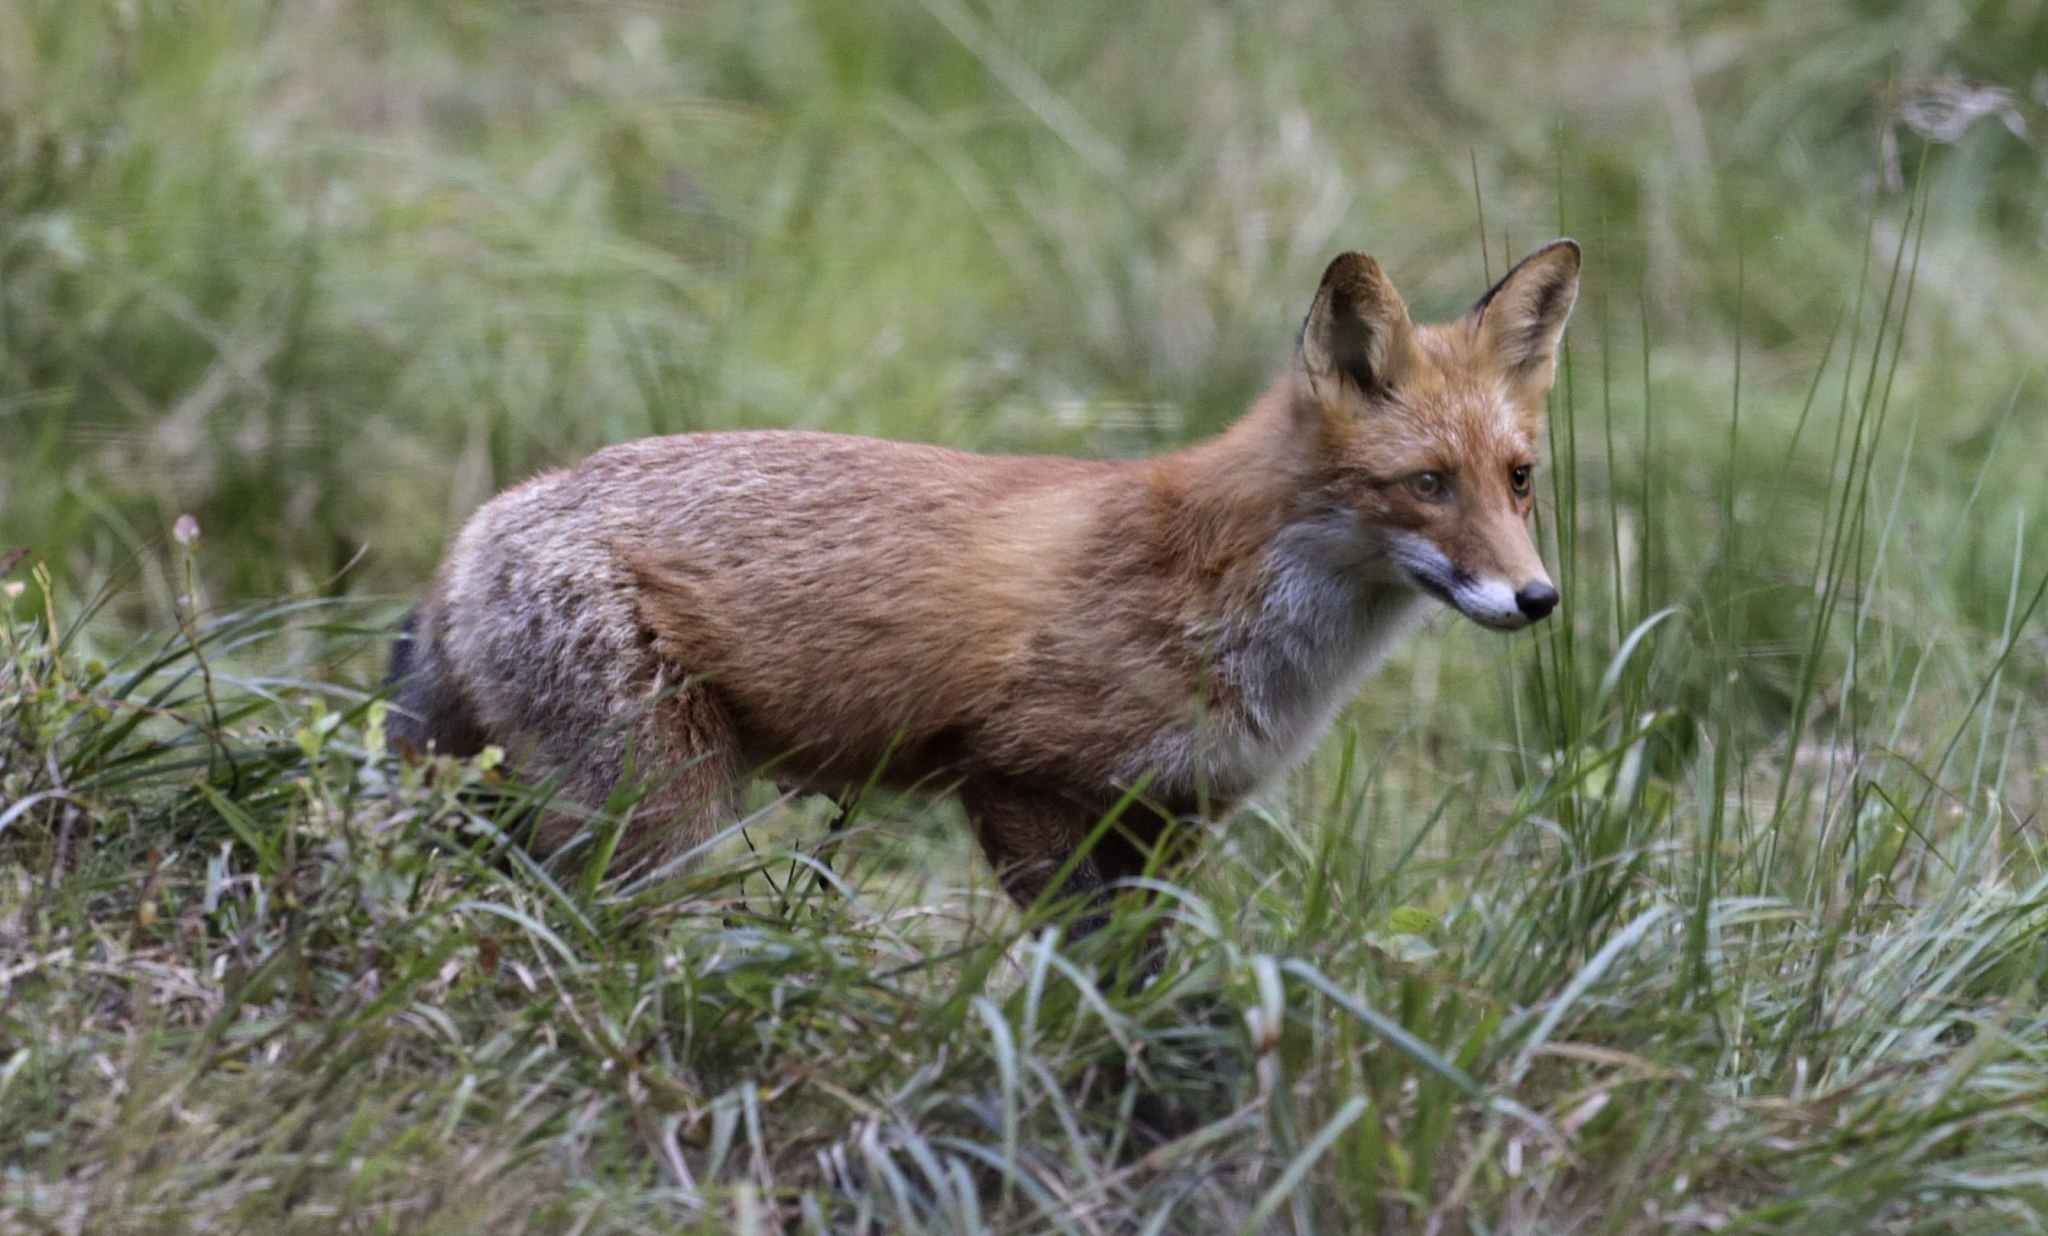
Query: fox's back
[{"x": 891, "y": 589}]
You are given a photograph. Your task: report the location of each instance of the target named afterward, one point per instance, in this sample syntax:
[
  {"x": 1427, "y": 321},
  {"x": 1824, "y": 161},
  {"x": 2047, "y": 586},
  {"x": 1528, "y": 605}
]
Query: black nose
[{"x": 1536, "y": 600}]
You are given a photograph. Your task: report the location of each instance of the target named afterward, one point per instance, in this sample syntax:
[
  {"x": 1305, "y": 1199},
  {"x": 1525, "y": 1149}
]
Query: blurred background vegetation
[{"x": 326, "y": 275}]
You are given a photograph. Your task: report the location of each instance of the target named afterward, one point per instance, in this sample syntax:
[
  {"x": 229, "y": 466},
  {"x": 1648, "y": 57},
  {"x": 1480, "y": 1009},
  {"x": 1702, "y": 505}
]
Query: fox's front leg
[{"x": 1029, "y": 836}]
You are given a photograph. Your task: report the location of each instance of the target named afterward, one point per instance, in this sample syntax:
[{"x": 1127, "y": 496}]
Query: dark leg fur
[{"x": 1029, "y": 836}]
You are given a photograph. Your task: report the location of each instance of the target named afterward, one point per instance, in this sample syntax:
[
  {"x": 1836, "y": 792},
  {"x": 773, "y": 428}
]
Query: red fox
[{"x": 1039, "y": 634}]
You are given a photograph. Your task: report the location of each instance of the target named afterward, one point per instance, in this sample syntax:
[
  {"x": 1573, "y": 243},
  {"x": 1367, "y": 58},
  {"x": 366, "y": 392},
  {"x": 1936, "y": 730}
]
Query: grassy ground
[{"x": 1717, "y": 904}]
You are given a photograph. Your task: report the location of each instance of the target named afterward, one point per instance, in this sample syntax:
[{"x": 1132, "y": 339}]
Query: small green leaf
[{"x": 1411, "y": 921}]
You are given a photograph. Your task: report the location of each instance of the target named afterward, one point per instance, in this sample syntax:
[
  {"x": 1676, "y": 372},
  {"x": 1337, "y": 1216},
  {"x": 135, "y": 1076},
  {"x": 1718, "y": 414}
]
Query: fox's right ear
[
  {"x": 1358, "y": 329},
  {"x": 1521, "y": 318}
]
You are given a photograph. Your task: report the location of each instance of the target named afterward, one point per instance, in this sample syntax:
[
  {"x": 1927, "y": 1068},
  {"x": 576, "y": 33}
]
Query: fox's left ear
[
  {"x": 1521, "y": 319},
  {"x": 1358, "y": 330}
]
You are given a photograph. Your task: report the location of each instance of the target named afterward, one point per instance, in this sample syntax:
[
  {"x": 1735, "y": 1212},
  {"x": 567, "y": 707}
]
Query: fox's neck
[
  {"x": 1304, "y": 604},
  {"x": 1252, "y": 506}
]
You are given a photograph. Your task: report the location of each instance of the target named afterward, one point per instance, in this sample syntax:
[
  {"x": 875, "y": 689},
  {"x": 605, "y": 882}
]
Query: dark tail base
[
  {"x": 403, "y": 653},
  {"x": 428, "y": 707}
]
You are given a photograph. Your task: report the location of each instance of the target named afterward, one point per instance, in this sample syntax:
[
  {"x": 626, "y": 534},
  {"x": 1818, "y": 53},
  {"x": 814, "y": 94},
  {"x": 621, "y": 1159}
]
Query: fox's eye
[
  {"x": 1519, "y": 478},
  {"x": 1428, "y": 484}
]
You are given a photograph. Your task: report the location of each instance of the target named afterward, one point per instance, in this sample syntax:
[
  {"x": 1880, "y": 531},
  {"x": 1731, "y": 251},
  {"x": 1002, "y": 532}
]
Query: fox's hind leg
[
  {"x": 676, "y": 744},
  {"x": 679, "y": 755},
  {"x": 542, "y": 627}
]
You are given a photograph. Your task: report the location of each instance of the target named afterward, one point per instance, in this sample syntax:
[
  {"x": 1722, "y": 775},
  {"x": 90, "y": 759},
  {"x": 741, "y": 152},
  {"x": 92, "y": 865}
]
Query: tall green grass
[{"x": 1715, "y": 903}]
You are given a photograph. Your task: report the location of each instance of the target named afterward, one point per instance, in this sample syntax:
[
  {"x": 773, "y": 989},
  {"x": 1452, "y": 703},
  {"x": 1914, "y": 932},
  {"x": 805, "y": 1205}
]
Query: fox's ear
[
  {"x": 1521, "y": 319},
  {"x": 1358, "y": 329}
]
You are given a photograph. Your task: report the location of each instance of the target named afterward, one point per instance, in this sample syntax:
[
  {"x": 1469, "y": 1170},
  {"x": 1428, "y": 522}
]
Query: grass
[{"x": 1715, "y": 904}]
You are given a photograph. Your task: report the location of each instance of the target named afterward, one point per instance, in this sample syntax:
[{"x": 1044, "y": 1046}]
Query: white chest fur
[{"x": 1324, "y": 620}]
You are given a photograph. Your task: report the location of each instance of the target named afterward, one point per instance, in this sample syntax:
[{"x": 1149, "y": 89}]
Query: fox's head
[{"x": 1432, "y": 431}]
